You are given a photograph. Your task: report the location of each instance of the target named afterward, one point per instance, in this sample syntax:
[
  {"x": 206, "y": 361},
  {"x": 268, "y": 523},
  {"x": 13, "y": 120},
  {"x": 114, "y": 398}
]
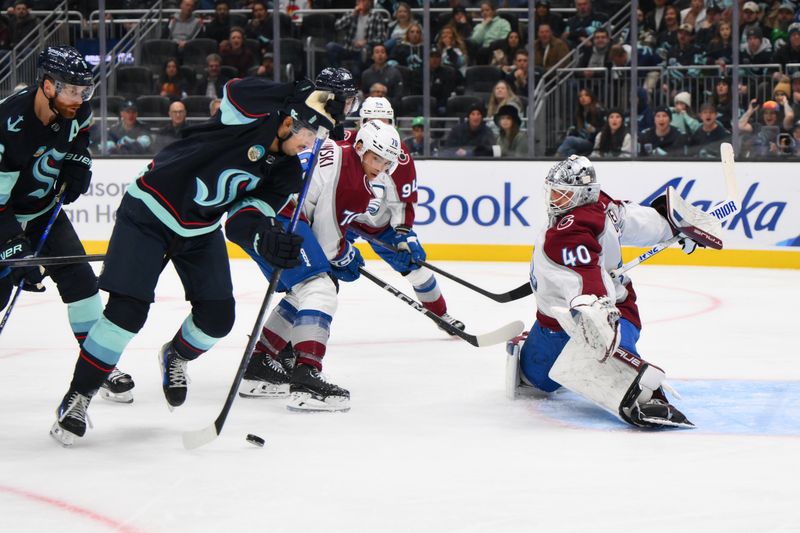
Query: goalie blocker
[{"x": 694, "y": 224}]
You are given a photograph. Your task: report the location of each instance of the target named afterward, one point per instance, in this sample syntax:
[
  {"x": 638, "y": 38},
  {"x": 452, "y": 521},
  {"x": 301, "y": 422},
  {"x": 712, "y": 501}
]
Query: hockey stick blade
[
  {"x": 487, "y": 339},
  {"x": 51, "y": 261},
  {"x": 515, "y": 294},
  {"x": 200, "y": 437}
]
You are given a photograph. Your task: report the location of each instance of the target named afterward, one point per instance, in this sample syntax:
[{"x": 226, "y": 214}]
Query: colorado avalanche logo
[
  {"x": 228, "y": 184},
  {"x": 403, "y": 158},
  {"x": 45, "y": 170},
  {"x": 565, "y": 222}
]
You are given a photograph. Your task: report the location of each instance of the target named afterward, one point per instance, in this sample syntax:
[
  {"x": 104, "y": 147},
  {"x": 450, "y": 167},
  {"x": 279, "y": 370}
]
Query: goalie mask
[
  {"x": 376, "y": 107},
  {"x": 380, "y": 139},
  {"x": 569, "y": 184}
]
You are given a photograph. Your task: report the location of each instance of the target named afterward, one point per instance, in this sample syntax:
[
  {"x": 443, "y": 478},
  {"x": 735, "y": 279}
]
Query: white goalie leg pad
[
  {"x": 610, "y": 383},
  {"x": 593, "y": 322},
  {"x": 692, "y": 222}
]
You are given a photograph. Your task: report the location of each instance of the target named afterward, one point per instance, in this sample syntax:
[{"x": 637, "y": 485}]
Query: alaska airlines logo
[
  {"x": 754, "y": 215},
  {"x": 228, "y": 184},
  {"x": 45, "y": 169}
]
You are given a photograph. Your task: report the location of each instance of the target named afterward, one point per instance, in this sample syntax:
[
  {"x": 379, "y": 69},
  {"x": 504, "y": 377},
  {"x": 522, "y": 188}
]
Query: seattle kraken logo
[
  {"x": 228, "y": 184},
  {"x": 45, "y": 171}
]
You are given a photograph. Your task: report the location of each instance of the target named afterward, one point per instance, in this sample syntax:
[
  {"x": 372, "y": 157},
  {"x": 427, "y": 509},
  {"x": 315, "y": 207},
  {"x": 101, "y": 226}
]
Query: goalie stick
[
  {"x": 51, "y": 261},
  {"x": 487, "y": 339},
  {"x": 721, "y": 211},
  {"x": 201, "y": 437},
  {"x": 515, "y": 294}
]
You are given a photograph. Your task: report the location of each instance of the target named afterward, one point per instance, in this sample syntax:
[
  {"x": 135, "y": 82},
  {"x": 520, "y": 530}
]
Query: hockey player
[
  {"x": 341, "y": 188},
  {"x": 587, "y": 323},
  {"x": 392, "y": 219},
  {"x": 43, "y": 148},
  {"x": 242, "y": 162}
]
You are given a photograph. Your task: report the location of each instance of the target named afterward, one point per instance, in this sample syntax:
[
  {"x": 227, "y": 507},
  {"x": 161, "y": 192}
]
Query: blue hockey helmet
[
  {"x": 65, "y": 66},
  {"x": 340, "y": 82}
]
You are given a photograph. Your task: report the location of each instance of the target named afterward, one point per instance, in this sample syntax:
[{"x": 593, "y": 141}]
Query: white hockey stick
[{"x": 721, "y": 212}]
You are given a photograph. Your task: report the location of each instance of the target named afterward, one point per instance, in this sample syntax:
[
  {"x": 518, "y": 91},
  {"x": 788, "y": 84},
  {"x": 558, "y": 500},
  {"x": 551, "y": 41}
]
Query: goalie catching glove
[
  {"x": 696, "y": 227},
  {"x": 276, "y": 246},
  {"x": 593, "y": 322},
  {"x": 17, "y": 248}
]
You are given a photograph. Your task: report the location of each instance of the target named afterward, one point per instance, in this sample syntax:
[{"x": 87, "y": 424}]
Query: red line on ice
[{"x": 70, "y": 508}]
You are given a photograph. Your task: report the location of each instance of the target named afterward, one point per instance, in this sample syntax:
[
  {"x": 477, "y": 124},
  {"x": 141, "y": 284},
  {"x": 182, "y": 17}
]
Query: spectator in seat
[
  {"x": 790, "y": 52},
  {"x": 416, "y": 141},
  {"x": 544, "y": 16},
  {"x": 5, "y": 35},
  {"x": 361, "y": 28},
  {"x": 518, "y": 78},
  {"x": 708, "y": 27},
  {"x": 378, "y": 90},
  {"x": 668, "y": 37},
  {"x": 129, "y": 136},
  {"x": 21, "y": 23},
  {"x": 502, "y": 94},
  {"x": 267, "y": 67},
  {"x": 654, "y": 20},
  {"x": 444, "y": 81},
  {"x": 594, "y": 54},
  {"x": 757, "y": 51},
  {"x": 548, "y": 49},
  {"x": 780, "y": 29},
  {"x": 409, "y": 53},
  {"x": 751, "y": 20},
  {"x": 453, "y": 49},
  {"x": 219, "y": 27},
  {"x": 171, "y": 82},
  {"x": 589, "y": 118},
  {"x": 399, "y": 26},
  {"x": 614, "y": 139},
  {"x": 583, "y": 23},
  {"x": 171, "y": 132},
  {"x": 694, "y": 15},
  {"x": 471, "y": 136},
  {"x": 512, "y": 142},
  {"x": 184, "y": 26},
  {"x": 386, "y": 74},
  {"x": 721, "y": 99},
  {"x": 213, "y": 80},
  {"x": 491, "y": 27},
  {"x": 705, "y": 140},
  {"x": 720, "y": 49},
  {"x": 683, "y": 117},
  {"x": 235, "y": 54},
  {"x": 260, "y": 25},
  {"x": 662, "y": 139},
  {"x": 461, "y": 23},
  {"x": 763, "y": 132},
  {"x": 503, "y": 56}
]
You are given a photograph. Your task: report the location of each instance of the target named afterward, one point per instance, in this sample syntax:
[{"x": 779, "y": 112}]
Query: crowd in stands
[{"x": 478, "y": 67}]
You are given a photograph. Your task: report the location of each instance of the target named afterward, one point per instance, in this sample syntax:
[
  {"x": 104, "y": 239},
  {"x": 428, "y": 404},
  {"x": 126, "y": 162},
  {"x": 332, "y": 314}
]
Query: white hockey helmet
[
  {"x": 569, "y": 184},
  {"x": 376, "y": 107},
  {"x": 380, "y": 139}
]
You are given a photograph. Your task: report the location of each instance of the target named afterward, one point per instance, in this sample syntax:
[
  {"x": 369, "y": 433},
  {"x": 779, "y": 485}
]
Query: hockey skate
[
  {"x": 453, "y": 322},
  {"x": 658, "y": 412},
  {"x": 117, "y": 387},
  {"x": 71, "y": 418},
  {"x": 265, "y": 377},
  {"x": 287, "y": 358},
  {"x": 310, "y": 391},
  {"x": 175, "y": 380}
]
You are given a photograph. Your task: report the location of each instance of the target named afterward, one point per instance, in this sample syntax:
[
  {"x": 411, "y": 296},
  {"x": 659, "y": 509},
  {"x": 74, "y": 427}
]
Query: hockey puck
[{"x": 255, "y": 440}]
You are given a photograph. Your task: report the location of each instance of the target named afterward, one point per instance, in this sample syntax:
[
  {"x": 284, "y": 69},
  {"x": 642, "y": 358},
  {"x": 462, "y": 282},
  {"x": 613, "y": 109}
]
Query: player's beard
[{"x": 64, "y": 110}]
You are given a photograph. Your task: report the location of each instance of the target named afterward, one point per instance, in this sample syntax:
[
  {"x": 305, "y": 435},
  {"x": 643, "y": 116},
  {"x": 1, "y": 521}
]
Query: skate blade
[
  {"x": 65, "y": 438},
  {"x": 252, "y": 388},
  {"x": 116, "y": 397},
  {"x": 662, "y": 422},
  {"x": 305, "y": 402}
]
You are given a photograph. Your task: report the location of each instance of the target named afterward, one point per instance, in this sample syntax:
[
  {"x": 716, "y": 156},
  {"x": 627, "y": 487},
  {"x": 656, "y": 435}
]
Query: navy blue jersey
[
  {"x": 31, "y": 157},
  {"x": 223, "y": 164}
]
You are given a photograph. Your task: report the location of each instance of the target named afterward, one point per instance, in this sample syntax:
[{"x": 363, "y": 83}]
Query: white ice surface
[{"x": 431, "y": 444}]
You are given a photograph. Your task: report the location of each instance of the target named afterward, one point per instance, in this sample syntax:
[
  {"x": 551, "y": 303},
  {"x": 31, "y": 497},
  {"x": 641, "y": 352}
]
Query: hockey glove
[
  {"x": 409, "y": 250},
  {"x": 17, "y": 248},
  {"x": 76, "y": 178},
  {"x": 272, "y": 243},
  {"x": 687, "y": 245},
  {"x": 345, "y": 266}
]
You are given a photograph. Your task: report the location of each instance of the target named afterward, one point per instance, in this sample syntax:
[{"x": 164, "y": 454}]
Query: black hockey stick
[
  {"x": 487, "y": 339},
  {"x": 515, "y": 294},
  {"x": 201, "y": 437},
  {"x": 39, "y": 246},
  {"x": 50, "y": 261}
]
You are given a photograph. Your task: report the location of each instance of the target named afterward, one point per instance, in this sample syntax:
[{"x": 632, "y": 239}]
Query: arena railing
[{"x": 18, "y": 66}]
